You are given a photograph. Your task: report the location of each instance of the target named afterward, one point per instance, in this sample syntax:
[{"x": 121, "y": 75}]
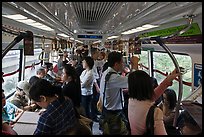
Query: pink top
[{"x": 137, "y": 111}]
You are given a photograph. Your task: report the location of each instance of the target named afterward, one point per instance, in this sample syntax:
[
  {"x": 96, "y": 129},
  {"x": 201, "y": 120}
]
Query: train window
[
  {"x": 29, "y": 64},
  {"x": 10, "y": 66},
  {"x": 144, "y": 61},
  {"x": 163, "y": 65}
]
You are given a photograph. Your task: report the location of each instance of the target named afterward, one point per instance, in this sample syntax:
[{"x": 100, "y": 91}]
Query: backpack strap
[
  {"x": 150, "y": 120},
  {"x": 107, "y": 77}
]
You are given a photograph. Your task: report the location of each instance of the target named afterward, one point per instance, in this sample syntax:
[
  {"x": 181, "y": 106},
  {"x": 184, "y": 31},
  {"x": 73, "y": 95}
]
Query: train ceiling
[{"x": 107, "y": 18}]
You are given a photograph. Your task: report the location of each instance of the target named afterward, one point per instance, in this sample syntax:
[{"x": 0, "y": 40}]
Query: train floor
[{"x": 95, "y": 129}]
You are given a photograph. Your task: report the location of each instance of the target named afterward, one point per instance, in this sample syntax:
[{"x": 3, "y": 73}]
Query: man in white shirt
[{"x": 112, "y": 100}]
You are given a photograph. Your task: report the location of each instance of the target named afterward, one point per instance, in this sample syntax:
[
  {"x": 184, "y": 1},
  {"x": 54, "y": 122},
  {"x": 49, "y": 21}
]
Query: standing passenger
[
  {"x": 87, "y": 79},
  {"x": 141, "y": 98},
  {"x": 71, "y": 85},
  {"x": 59, "y": 116}
]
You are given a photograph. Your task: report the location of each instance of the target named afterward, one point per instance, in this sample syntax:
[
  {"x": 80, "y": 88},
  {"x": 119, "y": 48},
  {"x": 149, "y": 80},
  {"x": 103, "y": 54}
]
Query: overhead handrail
[
  {"x": 159, "y": 40},
  {"x": 16, "y": 40}
]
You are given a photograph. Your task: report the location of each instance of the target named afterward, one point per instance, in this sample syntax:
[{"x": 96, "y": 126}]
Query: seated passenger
[
  {"x": 169, "y": 106},
  {"x": 10, "y": 112},
  {"x": 21, "y": 99},
  {"x": 59, "y": 116},
  {"x": 33, "y": 79},
  {"x": 190, "y": 120},
  {"x": 7, "y": 129},
  {"x": 40, "y": 73},
  {"x": 49, "y": 69}
]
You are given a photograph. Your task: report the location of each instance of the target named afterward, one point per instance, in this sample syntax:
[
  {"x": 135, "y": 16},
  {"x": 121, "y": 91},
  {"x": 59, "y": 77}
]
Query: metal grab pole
[{"x": 160, "y": 42}]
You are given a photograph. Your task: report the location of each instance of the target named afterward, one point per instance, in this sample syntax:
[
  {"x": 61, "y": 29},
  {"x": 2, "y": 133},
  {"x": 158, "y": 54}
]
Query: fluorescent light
[
  {"x": 71, "y": 38},
  {"x": 63, "y": 35},
  {"x": 112, "y": 37},
  {"x": 36, "y": 24},
  {"x": 97, "y": 42},
  {"x": 149, "y": 26},
  {"x": 79, "y": 41},
  {"x": 144, "y": 27},
  {"x": 26, "y": 21},
  {"x": 15, "y": 17}
]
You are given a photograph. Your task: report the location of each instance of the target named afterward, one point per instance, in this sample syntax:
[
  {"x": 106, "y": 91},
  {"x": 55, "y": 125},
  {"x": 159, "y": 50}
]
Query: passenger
[
  {"x": 21, "y": 99},
  {"x": 96, "y": 88},
  {"x": 10, "y": 112},
  {"x": 190, "y": 127},
  {"x": 77, "y": 65},
  {"x": 49, "y": 67},
  {"x": 33, "y": 79},
  {"x": 72, "y": 86},
  {"x": 6, "y": 127},
  {"x": 61, "y": 61},
  {"x": 47, "y": 77},
  {"x": 87, "y": 79},
  {"x": 40, "y": 73},
  {"x": 59, "y": 117},
  {"x": 141, "y": 98},
  {"x": 190, "y": 119},
  {"x": 114, "y": 100},
  {"x": 169, "y": 106}
]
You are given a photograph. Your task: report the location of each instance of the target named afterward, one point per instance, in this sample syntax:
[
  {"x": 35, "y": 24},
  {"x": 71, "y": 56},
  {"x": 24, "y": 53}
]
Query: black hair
[
  {"x": 171, "y": 98},
  {"x": 113, "y": 58},
  {"x": 71, "y": 71},
  {"x": 90, "y": 62},
  {"x": 140, "y": 85},
  {"x": 105, "y": 67},
  {"x": 48, "y": 65},
  {"x": 93, "y": 50},
  {"x": 43, "y": 87},
  {"x": 33, "y": 79},
  {"x": 154, "y": 82}
]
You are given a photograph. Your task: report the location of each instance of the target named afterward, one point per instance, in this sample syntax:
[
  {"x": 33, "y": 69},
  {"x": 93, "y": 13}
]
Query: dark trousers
[
  {"x": 86, "y": 103},
  {"x": 96, "y": 95}
]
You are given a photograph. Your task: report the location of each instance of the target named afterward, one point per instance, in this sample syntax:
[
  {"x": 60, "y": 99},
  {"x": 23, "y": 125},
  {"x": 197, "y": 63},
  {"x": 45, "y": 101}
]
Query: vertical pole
[{"x": 158, "y": 39}]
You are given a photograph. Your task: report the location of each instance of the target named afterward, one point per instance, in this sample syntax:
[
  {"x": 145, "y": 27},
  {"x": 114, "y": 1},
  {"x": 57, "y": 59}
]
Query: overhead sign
[
  {"x": 88, "y": 36},
  {"x": 197, "y": 75},
  {"x": 194, "y": 30}
]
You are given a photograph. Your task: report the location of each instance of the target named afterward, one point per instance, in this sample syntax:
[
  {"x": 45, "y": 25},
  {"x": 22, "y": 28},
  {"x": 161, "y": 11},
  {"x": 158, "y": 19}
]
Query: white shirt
[
  {"x": 52, "y": 74},
  {"x": 87, "y": 79},
  {"x": 112, "y": 94}
]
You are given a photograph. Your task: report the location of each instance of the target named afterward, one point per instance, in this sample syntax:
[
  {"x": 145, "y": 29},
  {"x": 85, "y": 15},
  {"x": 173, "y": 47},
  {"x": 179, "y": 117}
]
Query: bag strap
[
  {"x": 107, "y": 77},
  {"x": 150, "y": 120}
]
